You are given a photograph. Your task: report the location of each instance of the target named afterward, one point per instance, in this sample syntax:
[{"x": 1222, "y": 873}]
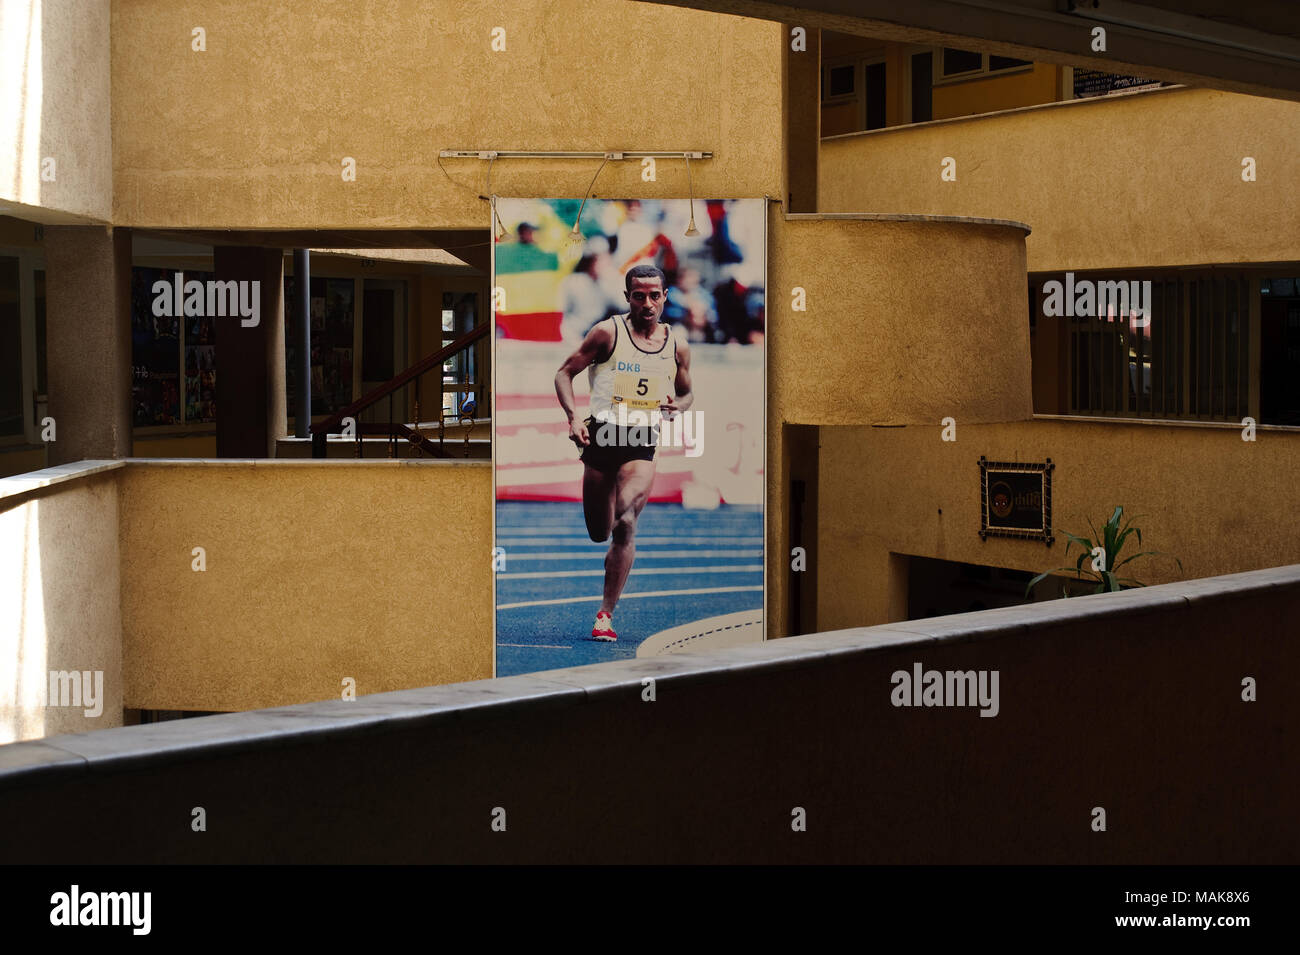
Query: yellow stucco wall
[
  {"x": 253, "y": 131},
  {"x": 1202, "y": 494},
  {"x": 1003, "y": 91},
  {"x": 1139, "y": 180},
  {"x": 54, "y": 73},
  {"x": 316, "y": 571},
  {"x": 59, "y": 594},
  {"x": 21, "y": 461},
  {"x": 906, "y": 322}
]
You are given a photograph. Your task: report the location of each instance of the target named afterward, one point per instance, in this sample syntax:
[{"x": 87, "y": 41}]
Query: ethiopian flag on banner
[{"x": 530, "y": 274}]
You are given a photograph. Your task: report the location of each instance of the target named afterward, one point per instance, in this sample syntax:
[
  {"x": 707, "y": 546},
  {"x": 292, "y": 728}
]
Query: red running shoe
[{"x": 603, "y": 630}]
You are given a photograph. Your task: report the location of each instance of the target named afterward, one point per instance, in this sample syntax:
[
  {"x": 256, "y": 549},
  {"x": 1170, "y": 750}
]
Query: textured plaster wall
[
  {"x": 252, "y": 132},
  {"x": 60, "y": 609},
  {"x": 1202, "y": 494},
  {"x": 1004, "y": 91},
  {"x": 1140, "y": 180},
  {"x": 906, "y": 323},
  {"x": 54, "y": 74},
  {"x": 19, "y": 462},
  {"x": 316, "y": 571}
]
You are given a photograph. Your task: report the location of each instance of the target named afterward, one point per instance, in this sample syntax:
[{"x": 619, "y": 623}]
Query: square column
[
  {"x": 88, "y": 340},
  {"x": 251, "y": 403}
]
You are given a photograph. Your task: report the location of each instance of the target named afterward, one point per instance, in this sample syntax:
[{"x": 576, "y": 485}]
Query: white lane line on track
[
  {"x": 535, "y": 646},
  {"x": 742, "y": 569},
  {"x": 649, "y": 593},
  {"x": 576, "y": 540},
  {"x": 640, "y": 554}
]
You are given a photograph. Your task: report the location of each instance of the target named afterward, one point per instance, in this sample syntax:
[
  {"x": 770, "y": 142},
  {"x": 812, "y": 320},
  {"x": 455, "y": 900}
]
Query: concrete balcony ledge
[
  {"x": 903, "y": 217},
  {"x": 23, "y": 484},
  {"x": 1093, "y": 101},
  {"x": 450, "y": 709}
]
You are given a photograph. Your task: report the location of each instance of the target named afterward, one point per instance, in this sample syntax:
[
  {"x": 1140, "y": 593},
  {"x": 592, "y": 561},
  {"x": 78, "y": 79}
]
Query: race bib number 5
[{"x": 638, "y": 392}]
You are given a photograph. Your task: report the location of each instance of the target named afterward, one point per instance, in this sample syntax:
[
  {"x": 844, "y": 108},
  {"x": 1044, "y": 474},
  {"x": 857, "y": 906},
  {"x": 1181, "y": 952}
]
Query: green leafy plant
[{"x": 1111, "y": 541}]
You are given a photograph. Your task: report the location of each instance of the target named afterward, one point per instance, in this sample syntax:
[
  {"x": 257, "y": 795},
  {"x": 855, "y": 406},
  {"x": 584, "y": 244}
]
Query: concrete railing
[
  {"x": 1134, "y": 710},
  {"x": 230, "y": 585}
]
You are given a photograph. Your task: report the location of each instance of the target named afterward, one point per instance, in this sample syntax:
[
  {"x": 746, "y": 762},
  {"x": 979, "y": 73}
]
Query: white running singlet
[{"x": 635, "y": 379}]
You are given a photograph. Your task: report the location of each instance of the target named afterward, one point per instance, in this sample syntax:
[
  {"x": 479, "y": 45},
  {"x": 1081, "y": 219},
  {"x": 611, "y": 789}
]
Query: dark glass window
[
  {"x": 155, "y": 350},
  {"x": 922, "y": 66},
  {"x": 1006, "y": 63},
  {"x": 842, "y": 79},
  {"x": 332, "y": 313},
  {"x": 956, "y": 62},
  {"x": 875, "y": 96}
]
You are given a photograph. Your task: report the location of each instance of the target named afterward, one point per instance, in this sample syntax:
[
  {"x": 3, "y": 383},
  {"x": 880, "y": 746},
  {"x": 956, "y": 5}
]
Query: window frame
[
  {"x": 859, "y": 62},
  {"x": 938, "y": 78}
]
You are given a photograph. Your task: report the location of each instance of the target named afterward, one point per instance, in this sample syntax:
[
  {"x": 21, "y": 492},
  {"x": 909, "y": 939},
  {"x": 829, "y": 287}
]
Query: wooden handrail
[{"x": 333, "y": 422}]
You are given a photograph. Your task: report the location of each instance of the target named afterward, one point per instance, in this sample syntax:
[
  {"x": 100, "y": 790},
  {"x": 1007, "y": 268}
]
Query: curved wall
[
  {"x": 908, "y": 320},
  {"x": 1144, "y": 179}
]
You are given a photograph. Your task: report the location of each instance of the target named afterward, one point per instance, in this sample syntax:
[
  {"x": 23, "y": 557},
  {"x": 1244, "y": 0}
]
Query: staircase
[{"x": 413, "y": 434}]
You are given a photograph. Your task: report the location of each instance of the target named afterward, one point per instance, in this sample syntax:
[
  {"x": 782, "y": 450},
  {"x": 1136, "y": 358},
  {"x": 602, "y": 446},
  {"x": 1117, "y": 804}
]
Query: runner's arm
[
  {"x": 682, "y": 384},
  {"x": 599, "y": 342}
]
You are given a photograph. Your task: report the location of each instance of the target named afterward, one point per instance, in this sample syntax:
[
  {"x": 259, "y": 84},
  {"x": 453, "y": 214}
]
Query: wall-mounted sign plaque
[{"x": 1016, "y": 500}]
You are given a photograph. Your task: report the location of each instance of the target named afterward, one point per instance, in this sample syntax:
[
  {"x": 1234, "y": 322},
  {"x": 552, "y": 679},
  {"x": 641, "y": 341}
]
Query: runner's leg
[
  {"x": 634, "y": 481},
  {"x": 598, "y": 491}
]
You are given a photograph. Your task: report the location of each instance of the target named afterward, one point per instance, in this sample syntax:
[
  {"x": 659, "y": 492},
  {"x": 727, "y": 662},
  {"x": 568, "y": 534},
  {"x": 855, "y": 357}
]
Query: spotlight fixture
[
  {"x": 690, "y": 185},
  {"x": 500, "y": 229},
  {"x": 574, "y": 242}
]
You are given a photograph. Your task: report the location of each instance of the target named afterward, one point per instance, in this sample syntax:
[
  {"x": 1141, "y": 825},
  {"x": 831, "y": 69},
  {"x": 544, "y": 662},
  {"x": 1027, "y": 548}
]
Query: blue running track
[{"x": 550, "y": 590}]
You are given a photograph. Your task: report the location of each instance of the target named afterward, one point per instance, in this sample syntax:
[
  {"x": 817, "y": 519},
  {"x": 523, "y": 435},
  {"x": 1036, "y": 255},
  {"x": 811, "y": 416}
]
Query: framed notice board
[
  {"x": 1016, "y": 500},
  {"x": 1097, "y": 83}
]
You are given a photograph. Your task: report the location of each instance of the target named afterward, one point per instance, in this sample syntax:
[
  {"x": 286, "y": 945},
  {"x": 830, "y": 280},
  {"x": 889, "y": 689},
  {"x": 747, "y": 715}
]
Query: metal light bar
[
  {"x": 551, "y": 154},
  {"x": 1183, "y": 26}
]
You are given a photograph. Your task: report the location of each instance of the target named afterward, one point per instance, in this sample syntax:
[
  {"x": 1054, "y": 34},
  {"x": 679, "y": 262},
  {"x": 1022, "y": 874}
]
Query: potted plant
[{"x": 1100, "y": 561}]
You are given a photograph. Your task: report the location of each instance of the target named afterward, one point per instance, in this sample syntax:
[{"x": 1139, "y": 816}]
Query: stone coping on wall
[
  {"x": 902, "y": 217},
  {"x": 17, "y": 488},
  {"x": 72, "y": 756},
  {"x": 18, "y": 484},
  {"x": 1164, "y": 422},
  {"x": 1037, "y": 107}
]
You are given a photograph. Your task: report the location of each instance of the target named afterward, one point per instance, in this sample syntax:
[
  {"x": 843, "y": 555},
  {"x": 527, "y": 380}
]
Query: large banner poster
[{"x": 629, "y": 428}]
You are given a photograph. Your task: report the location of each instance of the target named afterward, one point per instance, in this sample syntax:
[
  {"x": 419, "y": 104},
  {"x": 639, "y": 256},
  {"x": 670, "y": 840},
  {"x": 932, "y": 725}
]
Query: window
[
  {"x": 854, "y": 94},
  {"x": 961, "y": 62},
  {"x": 459, "y": 315},
  {"x": 331, "y": 311},
  {"x": 1190, "y": 361},
  {"x": 843, "y": 81},
  {"x": 155, "y": 351},
  {"x": 953, "y": 64},
  {"x": 1279, "y": 340}
]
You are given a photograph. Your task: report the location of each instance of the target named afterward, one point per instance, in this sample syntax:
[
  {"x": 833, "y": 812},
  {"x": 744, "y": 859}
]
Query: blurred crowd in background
[{"x": 715, "y": 277}]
